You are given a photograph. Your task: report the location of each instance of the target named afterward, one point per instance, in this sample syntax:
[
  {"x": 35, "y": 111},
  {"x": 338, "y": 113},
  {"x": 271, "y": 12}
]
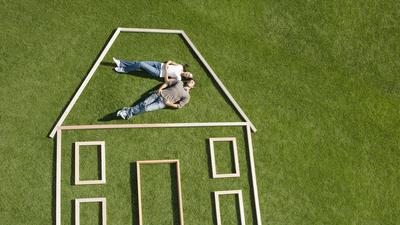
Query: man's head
[
  {"x": 190, "y": 83},
  {"x": 187, "y": 75}
]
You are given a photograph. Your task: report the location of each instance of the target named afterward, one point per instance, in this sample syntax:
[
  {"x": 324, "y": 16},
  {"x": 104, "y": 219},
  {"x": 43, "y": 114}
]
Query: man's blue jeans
[
  {"x": 151, "y": 103},
  {"x": 151, "y": 67}
]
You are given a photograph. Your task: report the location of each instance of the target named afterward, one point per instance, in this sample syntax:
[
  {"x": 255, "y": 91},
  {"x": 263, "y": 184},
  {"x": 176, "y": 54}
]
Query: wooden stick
[
  {"x": 217, "y": 205},
  {"x": 214, "y": 163},
  {"x": 178, "y": 177},
  {"x": 146, "y": 30},
  {"x": 253, "y": 175},
  {"x": 220, "y": 84},
  {"x": 139, "y": 193},
  {"x": 164, "y": 161},
  {"x": 152, "y": 125},
  {"x": 84, "y": 83},
  {"x": 102, "y": 145},
  {"x": 58, "y": 178},
  {"x": 78, "y": 202}
]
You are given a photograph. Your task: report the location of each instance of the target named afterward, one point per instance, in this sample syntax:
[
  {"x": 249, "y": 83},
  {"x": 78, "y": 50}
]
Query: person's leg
[
  {"x": 156, "y": 105},
  {"x": 151, "y": 67},
  {"x": 128, "y": 112}
]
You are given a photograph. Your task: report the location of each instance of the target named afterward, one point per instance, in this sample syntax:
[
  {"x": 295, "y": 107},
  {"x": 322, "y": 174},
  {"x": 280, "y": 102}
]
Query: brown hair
[
  {"x": 188, "y": 80},
  {"x": 185, "y": 66}
]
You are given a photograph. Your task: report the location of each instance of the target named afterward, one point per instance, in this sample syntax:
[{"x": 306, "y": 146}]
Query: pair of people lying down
[{"x": 173, "y": 93}]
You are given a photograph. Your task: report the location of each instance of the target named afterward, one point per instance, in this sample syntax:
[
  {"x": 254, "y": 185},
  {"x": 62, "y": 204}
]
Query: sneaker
[
  {"x": 117, "y": 62},
  {"x": 122, "y": 113},
  {"x": 119, "y": 69}
]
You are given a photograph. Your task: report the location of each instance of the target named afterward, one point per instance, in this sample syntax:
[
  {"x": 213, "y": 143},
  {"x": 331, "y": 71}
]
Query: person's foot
[
  {"x": 117, "y": 62},
  {"x": 119, "y": 69},
  {"x": 122, "y": 113}
]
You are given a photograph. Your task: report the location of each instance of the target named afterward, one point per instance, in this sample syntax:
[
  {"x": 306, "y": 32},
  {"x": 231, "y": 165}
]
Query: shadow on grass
[
  {"x": 73, "y": 212},
  {"x": 174, "y": 193},
  {"x": 134, "y": 196},
  {"x": 208, "y": 152}
]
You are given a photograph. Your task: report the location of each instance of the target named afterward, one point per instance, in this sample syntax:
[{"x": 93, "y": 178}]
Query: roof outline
[{"x": 104, "y": 52}]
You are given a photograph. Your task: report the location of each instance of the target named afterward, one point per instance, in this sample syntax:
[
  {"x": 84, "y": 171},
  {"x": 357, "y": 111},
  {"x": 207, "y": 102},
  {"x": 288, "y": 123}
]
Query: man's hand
[{"x": 170, "y": 104}]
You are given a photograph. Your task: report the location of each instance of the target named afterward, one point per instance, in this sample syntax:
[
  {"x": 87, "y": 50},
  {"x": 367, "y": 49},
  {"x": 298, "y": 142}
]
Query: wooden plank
[
  {"x": 253, "y": 175},
  {"x": 78, "y": 202},
  {"x": 213, "y": 161},
  {"x": 163, "y": 161},
  {"x": 217, "y": 208},
  {"x": 220, "y": 84},
  {"x": 158, "y": 161},
  {"x": 58, "y": 178},
  {"x": 152, "y": 125},
  {"x": 84, "y": 83},
  {"x": 147, "y": 30},
  {"x": 178, "y": 177},
  {"x": 76, "y": 163},
  {"x": 139, "y": 193},
  {"x": 241, "y": 208},
  {"x": 217, "y": 205},
  {"x": 77, "y": 212},
  {"x": 102, "y": 180}
]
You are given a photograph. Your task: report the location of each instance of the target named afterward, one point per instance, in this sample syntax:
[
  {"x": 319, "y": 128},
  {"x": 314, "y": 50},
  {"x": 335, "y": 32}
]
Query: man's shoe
[
  {"x": 122, "y": 113},
  {"x": 119, "y": 69},
  {"x": 117, "y": 62}
]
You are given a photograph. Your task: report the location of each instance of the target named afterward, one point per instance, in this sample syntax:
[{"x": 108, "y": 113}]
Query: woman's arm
[
  {"x": 169, "y": 62},
  {"x": 166, "y": 78},
  {"x": 163, "y": 86}
]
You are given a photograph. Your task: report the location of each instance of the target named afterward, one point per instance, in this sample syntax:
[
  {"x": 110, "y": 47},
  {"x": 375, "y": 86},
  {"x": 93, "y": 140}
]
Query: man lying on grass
[
  {"x": 173, "y": 93},
  {"x": 154, "y": 69}
]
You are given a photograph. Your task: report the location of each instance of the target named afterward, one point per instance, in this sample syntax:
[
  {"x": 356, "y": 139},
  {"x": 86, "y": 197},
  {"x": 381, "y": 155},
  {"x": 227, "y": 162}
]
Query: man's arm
[{"x": 179, "y": 104}]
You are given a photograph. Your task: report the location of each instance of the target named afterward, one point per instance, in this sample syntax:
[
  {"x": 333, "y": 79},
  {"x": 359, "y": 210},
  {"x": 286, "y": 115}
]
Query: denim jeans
[
  {"x": 151, "y": 103},
  {"x": 151, "y": 67}
]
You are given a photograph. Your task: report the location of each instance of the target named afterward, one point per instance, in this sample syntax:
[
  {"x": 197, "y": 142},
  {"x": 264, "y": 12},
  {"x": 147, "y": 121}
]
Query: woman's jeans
[{"x": 151, "y": 67}]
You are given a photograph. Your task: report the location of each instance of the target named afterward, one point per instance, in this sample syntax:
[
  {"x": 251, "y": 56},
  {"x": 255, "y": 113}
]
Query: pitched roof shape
[{"x": 143, "y": 30}]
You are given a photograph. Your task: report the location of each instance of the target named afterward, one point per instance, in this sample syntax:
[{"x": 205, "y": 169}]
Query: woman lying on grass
[{"x": 154, "y": 69}]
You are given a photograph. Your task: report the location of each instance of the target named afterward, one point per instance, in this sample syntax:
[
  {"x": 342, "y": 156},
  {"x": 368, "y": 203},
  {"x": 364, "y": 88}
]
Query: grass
[{"x": 318, "y": 79}]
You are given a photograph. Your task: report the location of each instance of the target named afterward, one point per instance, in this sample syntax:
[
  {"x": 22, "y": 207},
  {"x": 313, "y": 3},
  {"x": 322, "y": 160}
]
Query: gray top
[{"x": 176, "y": 93}]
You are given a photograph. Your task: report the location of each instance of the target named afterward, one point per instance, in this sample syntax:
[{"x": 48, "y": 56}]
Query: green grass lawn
[{"x": 320, "y": 81}]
